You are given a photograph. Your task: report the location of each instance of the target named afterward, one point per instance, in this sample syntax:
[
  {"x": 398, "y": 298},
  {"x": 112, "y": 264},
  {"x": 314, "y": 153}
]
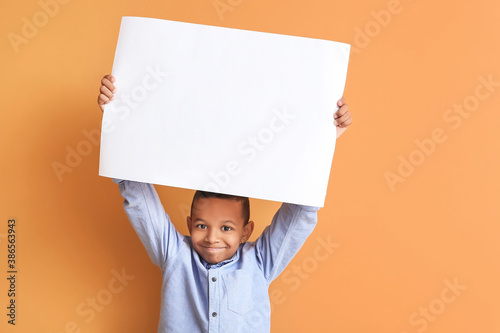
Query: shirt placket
[{"x": 213, "y": 300}]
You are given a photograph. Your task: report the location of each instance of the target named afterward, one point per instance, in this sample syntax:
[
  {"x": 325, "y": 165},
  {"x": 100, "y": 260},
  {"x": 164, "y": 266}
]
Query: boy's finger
[
  {"x": 102, "y": 99},
  {"x": 107, "y": 83},
  {"x": 100, "y": 103},
  {"x": 341, "y": 102},
  {"x": 346, "y": 123},
  {"x": 107, "y": 92},
  {"x": 110, "y": 77},
  {"x": 340, "y": 112},
  {"x": 345, "y": 120},
  {"x": 344, "y": 117}
]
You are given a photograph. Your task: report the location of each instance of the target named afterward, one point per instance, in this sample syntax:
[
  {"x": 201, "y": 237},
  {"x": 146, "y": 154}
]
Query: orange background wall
[{"x": 411, "y": 221}]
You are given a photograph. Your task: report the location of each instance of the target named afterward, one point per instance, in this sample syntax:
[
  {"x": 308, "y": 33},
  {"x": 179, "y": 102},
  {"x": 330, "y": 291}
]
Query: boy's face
[{"x": 217, "y": 228}]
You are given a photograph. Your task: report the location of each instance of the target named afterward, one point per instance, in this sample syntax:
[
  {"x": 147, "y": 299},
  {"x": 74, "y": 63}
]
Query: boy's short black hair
[{"x": 245, "y": 203}]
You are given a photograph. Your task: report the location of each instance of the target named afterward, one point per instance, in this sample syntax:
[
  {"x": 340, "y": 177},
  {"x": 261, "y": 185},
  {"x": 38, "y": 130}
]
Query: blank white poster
[{"x": 224, "y": 110}]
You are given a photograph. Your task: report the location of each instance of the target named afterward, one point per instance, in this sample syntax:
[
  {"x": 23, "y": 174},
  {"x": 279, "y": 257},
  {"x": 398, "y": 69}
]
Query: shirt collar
[{"x": 220, "y": 264}]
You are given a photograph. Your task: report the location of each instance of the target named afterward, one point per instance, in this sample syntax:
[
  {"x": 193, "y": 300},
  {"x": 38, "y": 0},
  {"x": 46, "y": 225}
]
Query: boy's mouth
[{"x": 211, "y": 248}]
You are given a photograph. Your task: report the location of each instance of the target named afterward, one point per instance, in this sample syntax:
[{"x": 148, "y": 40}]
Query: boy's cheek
[{"x": 195, "y": 234}]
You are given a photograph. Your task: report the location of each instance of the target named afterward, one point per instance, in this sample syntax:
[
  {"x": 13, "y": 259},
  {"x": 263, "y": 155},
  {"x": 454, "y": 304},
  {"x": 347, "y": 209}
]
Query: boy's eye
[
  {"x": 226, "y": 228},
  {"x": 201, "y": 226}
]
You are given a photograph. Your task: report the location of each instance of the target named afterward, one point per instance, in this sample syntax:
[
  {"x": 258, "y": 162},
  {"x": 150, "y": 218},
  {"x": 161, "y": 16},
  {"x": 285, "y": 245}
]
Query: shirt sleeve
[
  {"x": 147, "y": 215},
  {"x": 283, "y": 238}
]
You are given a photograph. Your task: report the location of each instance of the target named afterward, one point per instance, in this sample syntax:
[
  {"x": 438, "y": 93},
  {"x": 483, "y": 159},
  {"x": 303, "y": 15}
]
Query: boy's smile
[{"x": 217, "y": 228}]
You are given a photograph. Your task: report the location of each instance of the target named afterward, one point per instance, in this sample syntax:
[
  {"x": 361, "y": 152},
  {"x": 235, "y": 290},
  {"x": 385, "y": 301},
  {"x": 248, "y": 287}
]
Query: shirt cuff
[{"x": 305, "y": 208}]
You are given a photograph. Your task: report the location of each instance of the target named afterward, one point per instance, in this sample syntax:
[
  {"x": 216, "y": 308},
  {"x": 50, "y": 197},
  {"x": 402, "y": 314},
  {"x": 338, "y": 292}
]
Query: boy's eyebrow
[{"x": 202, "y": 220}]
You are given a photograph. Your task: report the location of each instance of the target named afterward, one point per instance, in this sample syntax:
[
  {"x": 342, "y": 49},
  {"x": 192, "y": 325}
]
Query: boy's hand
[
  {"x": 342, "y": 118},
  {"x": 107, "y": 90}
]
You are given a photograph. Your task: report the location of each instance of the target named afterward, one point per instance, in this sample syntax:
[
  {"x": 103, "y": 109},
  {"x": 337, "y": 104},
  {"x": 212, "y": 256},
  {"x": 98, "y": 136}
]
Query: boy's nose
[{"x": 212, "y": 236}]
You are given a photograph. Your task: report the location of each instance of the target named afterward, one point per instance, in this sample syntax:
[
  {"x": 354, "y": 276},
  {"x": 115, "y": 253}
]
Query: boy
[{"x": 214, "y": 280}]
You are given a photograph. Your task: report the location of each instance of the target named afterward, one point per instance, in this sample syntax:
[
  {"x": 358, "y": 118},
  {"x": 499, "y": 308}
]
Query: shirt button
[
  {"x": 214, "y": 279},
  {"x": 214, "y": 314}
]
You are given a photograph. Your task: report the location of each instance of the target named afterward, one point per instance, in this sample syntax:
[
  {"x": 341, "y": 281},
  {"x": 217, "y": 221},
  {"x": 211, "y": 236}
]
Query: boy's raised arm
[
  {"x": 143, "y": 206},
  {"x": 282, "y": 239},
  {"x": 292, "y": 224},
  {"x": 147, "y": 215}
]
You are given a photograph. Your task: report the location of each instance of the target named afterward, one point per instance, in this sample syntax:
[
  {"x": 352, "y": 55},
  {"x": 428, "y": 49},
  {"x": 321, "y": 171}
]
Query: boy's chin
[{"x": 215, "y": 259}]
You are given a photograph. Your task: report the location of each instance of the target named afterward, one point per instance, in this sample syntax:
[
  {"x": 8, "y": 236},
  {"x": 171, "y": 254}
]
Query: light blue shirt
[{"x": 231, "y": 296}]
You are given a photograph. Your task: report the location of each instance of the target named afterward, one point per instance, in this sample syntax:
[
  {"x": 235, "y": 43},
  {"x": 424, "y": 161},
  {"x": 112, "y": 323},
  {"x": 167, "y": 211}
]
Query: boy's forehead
[{"x": 218, "y": 207}]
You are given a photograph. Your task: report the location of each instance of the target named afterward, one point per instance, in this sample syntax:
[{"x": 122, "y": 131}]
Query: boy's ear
[
  {"x": 247, "y": 231},
  {"x": 188, "y": 221}
]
